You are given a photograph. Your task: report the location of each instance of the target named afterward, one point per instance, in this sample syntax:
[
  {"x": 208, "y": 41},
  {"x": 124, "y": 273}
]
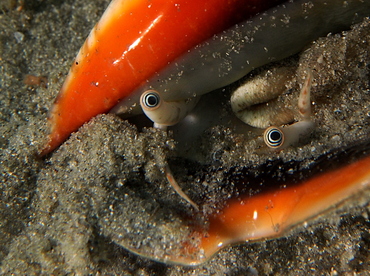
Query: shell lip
[{"x": 277, "y": 173}]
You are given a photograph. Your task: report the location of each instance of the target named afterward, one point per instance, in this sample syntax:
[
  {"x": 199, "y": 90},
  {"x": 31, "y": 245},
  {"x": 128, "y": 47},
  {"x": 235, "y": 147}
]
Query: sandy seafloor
[{"x": 67, "y": 214}]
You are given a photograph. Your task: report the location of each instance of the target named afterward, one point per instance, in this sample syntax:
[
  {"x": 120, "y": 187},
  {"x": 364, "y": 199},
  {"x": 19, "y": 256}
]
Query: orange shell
[
  {"x": 272, "y": 213},
  {"x": 133, "y": 40}
]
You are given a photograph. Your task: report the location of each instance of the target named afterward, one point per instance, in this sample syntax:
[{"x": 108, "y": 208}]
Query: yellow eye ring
[
  {"x": 150, "y": 99},
  {"x": 273, "y": 137}
]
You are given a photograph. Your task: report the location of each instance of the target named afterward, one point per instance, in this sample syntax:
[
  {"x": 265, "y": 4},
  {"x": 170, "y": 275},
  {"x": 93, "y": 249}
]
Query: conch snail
[{"x": 222, "y": 59}]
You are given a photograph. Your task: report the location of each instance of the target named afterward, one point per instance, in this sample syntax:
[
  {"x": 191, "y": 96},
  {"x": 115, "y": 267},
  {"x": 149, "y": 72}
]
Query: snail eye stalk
[
  {"x": 165, "y": 113},
  {"x": 279, "y": 138}
]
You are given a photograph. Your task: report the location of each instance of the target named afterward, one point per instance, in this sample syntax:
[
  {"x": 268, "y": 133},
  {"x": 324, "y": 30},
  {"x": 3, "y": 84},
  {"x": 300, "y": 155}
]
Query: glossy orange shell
[{"x": 133, "y": 40}]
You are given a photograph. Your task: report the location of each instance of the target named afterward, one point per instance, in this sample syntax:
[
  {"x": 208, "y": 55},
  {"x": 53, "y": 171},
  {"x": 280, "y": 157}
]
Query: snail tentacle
[
  {"x": 304, "y": 100},
  {"x": 177, "y": 188}
]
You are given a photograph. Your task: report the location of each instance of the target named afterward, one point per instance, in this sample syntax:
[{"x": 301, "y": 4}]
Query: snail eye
[
  {"x": 273, "y": 137},
  {"x": 151, "y": 99}
]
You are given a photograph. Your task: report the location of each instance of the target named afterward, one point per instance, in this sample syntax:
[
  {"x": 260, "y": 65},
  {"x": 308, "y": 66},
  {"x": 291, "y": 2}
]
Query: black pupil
[
  {"x": 152, "y": 100},
  {"x": 275, "y": 136}
]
